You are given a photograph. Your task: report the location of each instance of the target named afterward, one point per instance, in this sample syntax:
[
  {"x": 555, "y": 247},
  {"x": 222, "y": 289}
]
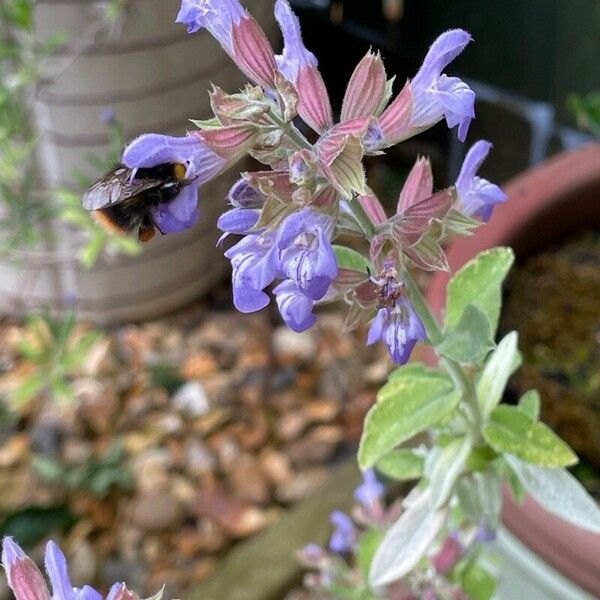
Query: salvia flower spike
[{"x": 291, "y": 213}]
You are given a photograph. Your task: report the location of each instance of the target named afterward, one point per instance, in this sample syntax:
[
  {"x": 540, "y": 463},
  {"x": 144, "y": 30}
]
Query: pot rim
[{"x": 568, "y": 548}]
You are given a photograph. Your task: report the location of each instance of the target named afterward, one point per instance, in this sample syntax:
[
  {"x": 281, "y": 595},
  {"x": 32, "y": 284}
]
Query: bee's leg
[{"x": 146, "y": 232}]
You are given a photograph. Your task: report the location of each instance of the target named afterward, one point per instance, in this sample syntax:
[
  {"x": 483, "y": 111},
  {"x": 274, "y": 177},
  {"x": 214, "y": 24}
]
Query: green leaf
[
  {"x": 417, "y": 370},
  {"x": 587, "y": 111},
  {"x": 530, "y": 404},
  {"x": 447, "y": 467},
  {"x": 347, "y": 258},
  {"x": 559, "y": 493},
  {"x": 33, "y": 524},
  {"x": 401, "y": 464},
  {"x": 479, "y": 283},
  {"x": 92, "y": 250},
  {"x": 404, "y": 408},
  {"x": 503, "y": 362},
  {"x": 471, "y": 340},
  {"x": 28, "y": 390},
  {"x": 511, "y": 431},
  {"x": 477, "y": 583},
  {"x": 367, "y": 546}
]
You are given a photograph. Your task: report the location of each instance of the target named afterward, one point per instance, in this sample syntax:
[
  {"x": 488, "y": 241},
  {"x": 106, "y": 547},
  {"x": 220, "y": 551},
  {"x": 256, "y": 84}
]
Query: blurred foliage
[
  {"x": 25, "y": 207},
  {"x": 98, "y": 238},
  {"x": 34, "y": 523},
  {"x": 95, "y": 475},
  {"x": 587, "y": 111},
  {"x": 56, "y": 349}
]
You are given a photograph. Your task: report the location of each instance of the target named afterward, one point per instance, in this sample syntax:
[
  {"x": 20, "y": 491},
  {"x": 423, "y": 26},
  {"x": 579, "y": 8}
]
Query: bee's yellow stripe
[{"x": 179, "y": 171}]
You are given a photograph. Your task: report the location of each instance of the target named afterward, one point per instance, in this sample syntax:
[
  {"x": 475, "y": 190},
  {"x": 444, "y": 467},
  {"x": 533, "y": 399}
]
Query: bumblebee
[{"x": 122, "y": 200}]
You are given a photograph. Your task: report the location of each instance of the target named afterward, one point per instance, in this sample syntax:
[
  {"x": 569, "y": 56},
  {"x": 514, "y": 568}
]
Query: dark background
[{"x": 527, "y": 57}]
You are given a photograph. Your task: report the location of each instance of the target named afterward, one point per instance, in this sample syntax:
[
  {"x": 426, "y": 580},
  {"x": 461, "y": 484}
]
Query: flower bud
[
  {"x": 449, "y": 555},
  {"x": 243, "y": 195},
  {"x": 303, "y": 168},
  {"x": 24, "y": 578},
  {"x": 313, "y": 105},
  {"x": 252, "y": 51},
  {"x": 417, "y": 187},
  {"x": 365, "y": 89},
  {"x": 229, "y": 142},
  {"x": 395, "y": 120}
]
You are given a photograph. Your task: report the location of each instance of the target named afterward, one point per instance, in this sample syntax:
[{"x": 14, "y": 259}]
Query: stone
[
  {"x": 191, "y": 399},
  {"x": 238, "y": 518},
  {"x": 155, "y": 511}
]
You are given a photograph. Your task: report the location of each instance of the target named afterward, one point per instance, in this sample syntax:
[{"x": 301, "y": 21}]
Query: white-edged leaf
[
  {"x": 447, "y": 468},
  {"x": 407, "y": 541},
  {"x": 401, "y": 464},
  {"x": 502, "y": 363},
  {"x": 479, "y": 282},
  {"x": 530, "y": 404},
  {"x": 405, "y": 409},
  {"x": 558, "y": 492},
  {"x": 471, "y": 340}
]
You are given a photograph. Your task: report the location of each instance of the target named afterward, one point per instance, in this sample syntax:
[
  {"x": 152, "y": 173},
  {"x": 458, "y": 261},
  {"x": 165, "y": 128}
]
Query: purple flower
[
  {"x": 485, "y": 534},
  {"x": 399, "y": 327},
  {"x": 371, "y": 491},
  {"x": 295, "y": 54},
  {"x": 238, "y": 220},
  {"x": 307, "y": 256},
  {"x": 477, "y": 196},
  {"x": 27, "y": 582},
  {"x": 201, "y": 163},
  {"x": 58, "y": 572},
  {"x": 255, "y": 266},
  {"x": 243, "y": 195},
  {"x": 435, "y": 95},
  {"x": 448, "y": 555},
  {"x": 343, "y": 538},
  {"x": 294, "y": 306},
  {"x": 217, "y": 16}
]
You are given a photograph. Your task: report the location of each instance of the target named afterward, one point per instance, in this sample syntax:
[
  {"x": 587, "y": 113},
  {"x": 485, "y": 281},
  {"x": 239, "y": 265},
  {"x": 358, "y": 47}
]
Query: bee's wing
[{"x": 114, "y": 188}]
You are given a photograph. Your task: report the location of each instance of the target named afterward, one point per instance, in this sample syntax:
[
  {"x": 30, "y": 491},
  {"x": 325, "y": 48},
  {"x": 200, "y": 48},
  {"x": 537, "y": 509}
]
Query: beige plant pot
[{"x": 154, "y": 76}]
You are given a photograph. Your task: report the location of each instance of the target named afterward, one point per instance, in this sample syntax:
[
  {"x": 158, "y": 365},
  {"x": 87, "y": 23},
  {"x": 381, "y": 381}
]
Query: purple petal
[
  {"x": 477, "y": 196},
  {"x": 472, "y": 162},
  {"x": 56, "y": 566},
  {"x": 152, "y": 149},
  {"x": 243, "y": 195},
  {"x": 87, "y": 592},
  {"x": 114, "y": 590},
  {"x": 238, "y": 220},
  {"x": 179, "y": 214},
  {"x": 217, "y": 16},
  {"x": 294, "y": 53},
  {"x": 376, "y": 330},
  {"x": 441, "y": 53},
  {"x": 371, "y": 491},
  {"x": 294, "y": 306},
  {"x": 255, "y": 266},
  {"x": 344, "y": 535},
  {"x": 11, "y": 552}
]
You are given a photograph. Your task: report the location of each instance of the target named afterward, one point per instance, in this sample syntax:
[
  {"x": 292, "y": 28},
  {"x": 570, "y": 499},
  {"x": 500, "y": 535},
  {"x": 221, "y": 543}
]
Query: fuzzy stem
[
  {"x": 362, "y": 217},
  {"x": 456, "y": 372}
]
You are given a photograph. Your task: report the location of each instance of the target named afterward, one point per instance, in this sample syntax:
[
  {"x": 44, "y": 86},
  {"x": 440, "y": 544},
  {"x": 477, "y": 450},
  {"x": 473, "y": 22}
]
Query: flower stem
[
  {"x": 456, "y": 372},
  {"x": 291, "y": 130},
  {"x": 362, "y": 217}
]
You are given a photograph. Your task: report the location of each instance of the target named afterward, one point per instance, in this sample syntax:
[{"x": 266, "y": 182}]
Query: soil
[{"x": 553, "y": 300}]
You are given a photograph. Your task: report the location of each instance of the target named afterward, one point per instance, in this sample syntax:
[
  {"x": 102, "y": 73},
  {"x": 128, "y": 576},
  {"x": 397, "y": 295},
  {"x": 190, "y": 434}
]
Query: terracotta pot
[{"x": 546, "y": 205}]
